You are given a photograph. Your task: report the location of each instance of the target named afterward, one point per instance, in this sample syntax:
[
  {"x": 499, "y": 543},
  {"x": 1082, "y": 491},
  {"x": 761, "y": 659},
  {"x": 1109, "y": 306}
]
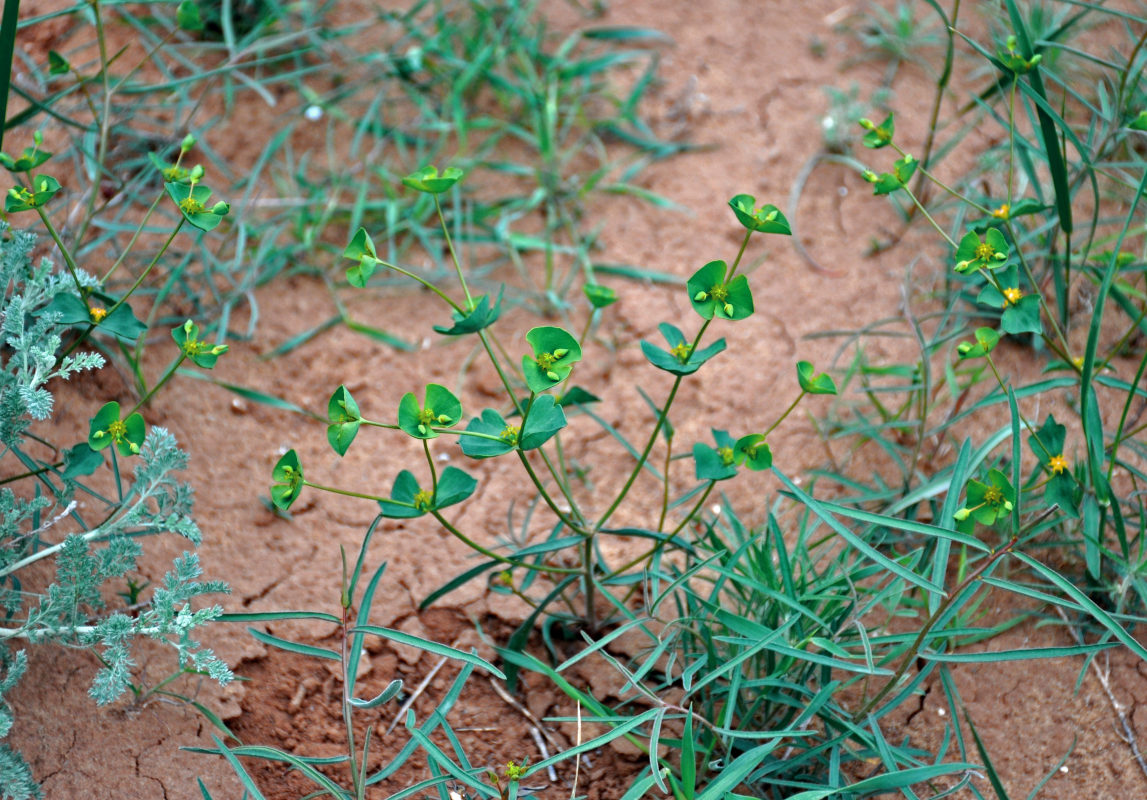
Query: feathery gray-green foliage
[{"x": 40, "y": 519}]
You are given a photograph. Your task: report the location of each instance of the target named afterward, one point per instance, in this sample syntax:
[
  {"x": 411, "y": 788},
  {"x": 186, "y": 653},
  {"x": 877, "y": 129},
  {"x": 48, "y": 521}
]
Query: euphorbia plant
[{"x": 538, "y": 395}]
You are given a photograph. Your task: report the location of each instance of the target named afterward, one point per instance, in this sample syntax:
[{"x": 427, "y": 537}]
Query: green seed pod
[
  {"x": 701, "y": 297},
  {"x": 553, "y": 376},
  {"x": 187, "y": 143},
  {"x": 729, "y": 309},
  {"x": 221, "y": 208},
  {"x": 561, "y": 352},
  {"x": 962, "y": 514},
  {"x": 422, "y": 429},
  {"x": 197, "y": 173},
  {"x": 443, "y": 419}
]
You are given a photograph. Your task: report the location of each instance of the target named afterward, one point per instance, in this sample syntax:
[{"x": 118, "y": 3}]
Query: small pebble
[
  {"x": 313, "y": 113},
  {"x": 239, "y": 406}
]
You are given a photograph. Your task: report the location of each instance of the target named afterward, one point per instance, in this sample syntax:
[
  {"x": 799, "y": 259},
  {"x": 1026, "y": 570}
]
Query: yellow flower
[
  {"x": 97, "y": 313},
  {"x": 1012, "y": 295},
  {"x": 1002, "y": 212},
  {"x": 1057, "y": 464}
]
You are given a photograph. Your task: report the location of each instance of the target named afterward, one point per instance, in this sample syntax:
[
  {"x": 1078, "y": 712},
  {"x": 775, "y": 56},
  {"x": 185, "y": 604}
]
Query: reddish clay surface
[{"x": 740, "y": 78}]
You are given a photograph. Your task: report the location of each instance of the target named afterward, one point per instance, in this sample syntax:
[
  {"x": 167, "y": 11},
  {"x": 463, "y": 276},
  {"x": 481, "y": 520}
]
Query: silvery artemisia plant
[{"x": 40, "y": 517}]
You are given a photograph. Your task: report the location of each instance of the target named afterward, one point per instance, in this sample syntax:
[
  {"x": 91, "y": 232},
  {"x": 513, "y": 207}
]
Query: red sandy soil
[{"x": 741, "y": 78}]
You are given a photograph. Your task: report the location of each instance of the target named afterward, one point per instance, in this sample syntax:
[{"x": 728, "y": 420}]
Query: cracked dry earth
[{"x": 739, "y": 77}]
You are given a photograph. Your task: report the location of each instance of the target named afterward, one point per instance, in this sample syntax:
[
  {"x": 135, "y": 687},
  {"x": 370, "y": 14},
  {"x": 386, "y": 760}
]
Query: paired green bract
[
  {"x": 21, "y": 198},
  {"x": 106, "y": 428},
  {"x": 680, "y": 358},
  {"x": 766, "y": 219},
  {"x": 441, "y": 409},
  {"x": 712, "y": 297},
  {"x": 497, "y": 436},
  {"x": 409, "y": 500},
  {"x": 720, "y": 463},
  {"x": 481, "y": 316},
  {"x": 555, "y": 353},
  {"x": 343, "y": 420},
  {"x": 429, "y": 181},
  {"x": 191, "y": 199}
]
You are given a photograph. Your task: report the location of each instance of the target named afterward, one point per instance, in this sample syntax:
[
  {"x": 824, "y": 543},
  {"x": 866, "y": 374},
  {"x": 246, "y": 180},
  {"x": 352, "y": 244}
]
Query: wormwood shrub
[{"x": 72, "y": 515}]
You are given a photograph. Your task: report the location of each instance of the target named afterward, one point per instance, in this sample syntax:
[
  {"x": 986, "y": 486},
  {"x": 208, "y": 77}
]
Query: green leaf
[
  {"x": 407, "y": 498},
  {"x": 288, "y": 477},
  {"x": 454, "y": 486},
  {"x": 766, "y": 219},
  {"x": 1022, "y": 316},
  {"x": 441, "y": 409},
  {"x": 199, "y": 352},
  {"x": 343, "y": 418},
  {"x": 712, "y": 297},
  {"x": 192, "y": 199},
  {"x": 814, "y": 383},
  {"x": 715, "y": 464},
  {"x": 598, "y": 295},
  {"x": 391, "y": 690},
  {"x": 680, "y": 359},
  {"x": 81, "y": 460},
  {"x": 577, "y": 395},
  {"x": 880, "y": 135},
  {"x": 106, "y": 428},
  {"x": 556, "y": 350},
  {"x": 187, "y": 16},
  {"x": 32, "y": 157},
  {"x": 20, "y": 198},
  {"x": 544, "y": 418},
  {"x": 294, "y": 647},
  {"x": 1140, "y": 121},
  {"x": 428, "y": 180},
  {"x": 753, "y": 452},
  {"x": 482, "y": 316},
  {"x": 361, "y": 249},
  {"x": 430, "y": 647},
  {"x": 986, "y": 341},
  {"x": 492, "y": 424}
]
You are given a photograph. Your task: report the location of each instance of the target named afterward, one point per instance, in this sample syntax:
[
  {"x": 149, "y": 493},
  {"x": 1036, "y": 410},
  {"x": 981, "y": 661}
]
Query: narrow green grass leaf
[
  {"x": 1085, "y": 602},
  {"x": 264, "y": 616},
  {"x": 859, "y": 544},
  {"x": 252, "y": 394},
  {"x": 430, "y": 647},
  {"x": 294, "y": 647},
  {"x": 1023, "y": 654}
]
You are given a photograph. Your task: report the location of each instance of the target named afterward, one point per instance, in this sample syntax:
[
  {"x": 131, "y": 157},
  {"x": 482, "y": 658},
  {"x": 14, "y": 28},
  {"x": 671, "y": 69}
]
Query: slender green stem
[
  {"x": 661, "y": 417},
  {"x": 910, "y": 655},
  {"x": 741, "y": 252},
  {"x": 931, "y": 221},
  {"x": 457, "y": 534},
  {"x": 131, "y": 242},
  {"x": 654, "y": 550},
  {"x": 32, "y": 473},
  {"x": 788, "y": 411},
  {"x": 73, "y": 270},
  {"x": 104, "y": 123},
  {"x": 665, "y": 484},
  {"x": 427, "y": 284},
  {"x": 344, "y": 659},
  {"x": 159, "y": 384},
  {"x": 349, "y": 493},
  {"x": 453, "y": 255},
  {"x": 590, "y": 587},
  {"x": 549, "y": 501},
  {"x": 151, "y": 265},
  {"x": 433, "y": 471},
  {"x": 959, "y": 196}
]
